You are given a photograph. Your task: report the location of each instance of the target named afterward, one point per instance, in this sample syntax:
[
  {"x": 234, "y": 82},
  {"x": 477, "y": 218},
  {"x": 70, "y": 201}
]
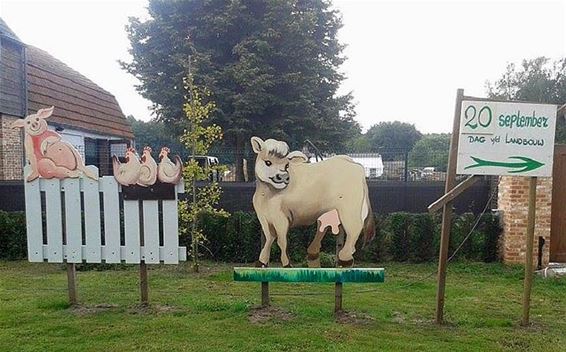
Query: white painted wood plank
[
  {"x": 180, "y": 187},
  {"x": 93, "y": 234},
  {"x": 111, "y": 219},
  {"x": 132, "y": 231},
  {"x": 170, "y": 232},
  {"x": 54, "y": 220},
  {"x": 181, "y": 250},
  {"x": 34, "y": 216},
  {"x": 73, "y": 226},
  {"x": 151, "y": 231}
]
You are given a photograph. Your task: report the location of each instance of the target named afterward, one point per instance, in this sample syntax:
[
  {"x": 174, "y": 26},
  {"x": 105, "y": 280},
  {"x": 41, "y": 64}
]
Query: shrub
[
  {"x": 13, "y": 243},
  {"x": 421, "y": 240},
  {"x": 399, "y": 226},
  {"x": 237, "y": 238}
]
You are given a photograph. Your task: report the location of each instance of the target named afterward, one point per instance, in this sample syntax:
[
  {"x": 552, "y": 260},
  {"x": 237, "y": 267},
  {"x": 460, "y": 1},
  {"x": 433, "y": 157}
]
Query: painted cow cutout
[
  {"x": 291, "y": 192},
  {"x": 48, "y": 155}
]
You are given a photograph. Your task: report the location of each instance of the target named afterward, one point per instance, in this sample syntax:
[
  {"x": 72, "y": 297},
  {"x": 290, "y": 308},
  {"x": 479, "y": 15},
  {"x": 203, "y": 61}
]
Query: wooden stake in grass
[
  {"x": 72, "y": 283},
  {"x": 529, "y": 238}
]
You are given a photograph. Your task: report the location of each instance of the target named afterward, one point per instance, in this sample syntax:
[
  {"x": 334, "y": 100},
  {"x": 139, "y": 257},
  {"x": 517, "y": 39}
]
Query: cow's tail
[{"x": 369, "y": 223}]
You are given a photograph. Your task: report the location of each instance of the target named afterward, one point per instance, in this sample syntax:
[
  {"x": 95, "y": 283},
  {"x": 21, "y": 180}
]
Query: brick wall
[
  {"x": 513, "y": 201},
  {"x": 11, "y": 150}
]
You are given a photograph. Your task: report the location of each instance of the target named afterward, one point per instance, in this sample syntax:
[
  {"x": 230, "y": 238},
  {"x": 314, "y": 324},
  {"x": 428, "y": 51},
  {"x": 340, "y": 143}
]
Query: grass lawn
[{"x": 210, "y": 312}]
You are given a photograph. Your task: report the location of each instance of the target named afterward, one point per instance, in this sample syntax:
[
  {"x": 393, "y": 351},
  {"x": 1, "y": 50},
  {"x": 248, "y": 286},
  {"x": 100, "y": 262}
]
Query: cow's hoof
[
  {"x": 313, "y": 260},
  {"x": 313, "y": 256},
  {"x": 345, "y": 263},
  {"x": 314, "y": 263},
  {"x": 259, "y": 264},
  {"x": 287, "y": 266}
]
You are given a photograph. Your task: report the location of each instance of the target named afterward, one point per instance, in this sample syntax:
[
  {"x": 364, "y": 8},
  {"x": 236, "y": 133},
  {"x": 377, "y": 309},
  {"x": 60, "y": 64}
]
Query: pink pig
[{"x": 48, "y": 155}]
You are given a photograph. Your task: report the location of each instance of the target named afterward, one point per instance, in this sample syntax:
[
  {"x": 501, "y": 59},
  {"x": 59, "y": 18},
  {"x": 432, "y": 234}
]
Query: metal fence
[{"x": 379, "y": 165}]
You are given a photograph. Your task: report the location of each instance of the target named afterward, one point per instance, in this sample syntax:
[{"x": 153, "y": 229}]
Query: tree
[
  {"x": 537, "y": 80},
  {"x": 198, "y": 138},
  {"x": 395, "y": 135},
  {"x": 155, "y": 134},
  {"x": 431, "y": 150},
  {"x": 273, "y": 66}
]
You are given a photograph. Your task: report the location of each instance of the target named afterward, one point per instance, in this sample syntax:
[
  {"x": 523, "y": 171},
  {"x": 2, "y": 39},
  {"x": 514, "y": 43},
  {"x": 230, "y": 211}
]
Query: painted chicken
[
  {"x": 167, "y": 171},
  {"x": 148, "y": 170},
  {"x": 127, "y": 173}
]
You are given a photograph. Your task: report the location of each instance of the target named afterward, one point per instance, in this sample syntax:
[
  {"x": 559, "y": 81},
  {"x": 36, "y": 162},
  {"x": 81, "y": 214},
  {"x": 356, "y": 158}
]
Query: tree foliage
[
  {"x": 538, "y": 80},
  {"x": 156, "y": 135},
  {"x": 273, "y": 66},
  {"x": 393, "y": 135},
  {"x": 198, "y": 138},
  {"x": 431, "y": 151}
]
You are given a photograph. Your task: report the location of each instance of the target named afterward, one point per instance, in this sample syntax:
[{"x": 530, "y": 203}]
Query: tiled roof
[{"x": 79, "y": 102}]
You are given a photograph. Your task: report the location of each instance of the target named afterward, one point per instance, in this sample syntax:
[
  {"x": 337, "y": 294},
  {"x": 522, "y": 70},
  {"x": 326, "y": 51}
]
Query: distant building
[
  {"x": 86, "y": 115},
  {"x": 372, "y": 163}
]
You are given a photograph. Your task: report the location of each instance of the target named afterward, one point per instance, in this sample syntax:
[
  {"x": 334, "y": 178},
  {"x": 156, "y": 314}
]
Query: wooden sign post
[
  {"x": 491, "y": 137},
  {"x": 447, "y": 211},
  {"x": 529, "y": 239}
]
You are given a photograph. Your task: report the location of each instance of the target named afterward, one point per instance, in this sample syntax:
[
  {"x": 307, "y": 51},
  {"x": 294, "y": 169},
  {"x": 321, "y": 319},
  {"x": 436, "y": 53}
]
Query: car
[{"x": 207, "y": 162}]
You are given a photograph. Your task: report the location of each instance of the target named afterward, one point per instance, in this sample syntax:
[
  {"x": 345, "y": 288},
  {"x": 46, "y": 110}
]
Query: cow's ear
[
  {"x": 45, "y": 113},
  {"x": 257, "y": 144},
  {"x": 297, "y": 157}
]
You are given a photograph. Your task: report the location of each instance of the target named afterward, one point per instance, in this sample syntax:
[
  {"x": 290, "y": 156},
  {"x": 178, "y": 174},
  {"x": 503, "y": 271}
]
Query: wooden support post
[
  {"x": 447, "y": 210},
  {"x": 144, "y": 285},
  {"x": 338, "y": 298},
  {"x": 265, "y": 294},
  {"x": 452, "y": 194},
  {"x": 338, "y": 285},
  {"x": 529, "y": 238},
  {"x": 72, "y": 283}
]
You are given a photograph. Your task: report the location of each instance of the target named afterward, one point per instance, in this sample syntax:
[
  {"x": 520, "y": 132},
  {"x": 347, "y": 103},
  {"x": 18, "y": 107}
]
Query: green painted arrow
[{"x": 527, "y": 164}]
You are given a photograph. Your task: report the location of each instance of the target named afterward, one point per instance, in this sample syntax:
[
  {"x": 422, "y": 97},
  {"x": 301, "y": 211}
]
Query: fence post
[{"x": 72, "y": 283}]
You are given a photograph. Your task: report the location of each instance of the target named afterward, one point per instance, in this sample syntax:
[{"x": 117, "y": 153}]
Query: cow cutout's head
[
  {"x": 34, "y": 124},
  {"x": 273, "y": 161}
]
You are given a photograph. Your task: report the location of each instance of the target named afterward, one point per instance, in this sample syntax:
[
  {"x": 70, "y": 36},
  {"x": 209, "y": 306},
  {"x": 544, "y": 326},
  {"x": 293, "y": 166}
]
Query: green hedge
[
  {"x": 13, "y": 235},
  {"x": 236, "y": 238},
  {"x": 399, "y": 237}
]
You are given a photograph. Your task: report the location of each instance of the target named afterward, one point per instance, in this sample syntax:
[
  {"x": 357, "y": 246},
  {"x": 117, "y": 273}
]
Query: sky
[{"x": 406, "y": 59}]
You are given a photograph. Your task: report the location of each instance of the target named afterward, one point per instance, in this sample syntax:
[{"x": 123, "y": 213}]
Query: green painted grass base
[{"x": 360, "y": 275}]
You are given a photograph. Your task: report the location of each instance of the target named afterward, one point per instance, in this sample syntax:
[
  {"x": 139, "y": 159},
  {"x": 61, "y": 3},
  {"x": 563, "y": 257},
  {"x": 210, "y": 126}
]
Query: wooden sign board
[{"x": 515, "y": 139}]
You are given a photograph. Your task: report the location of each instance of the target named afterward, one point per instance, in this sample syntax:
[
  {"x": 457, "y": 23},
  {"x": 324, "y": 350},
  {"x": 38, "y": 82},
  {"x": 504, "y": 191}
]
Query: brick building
[
  {"x": 550, "y": 220},
  {"x": 85, "y": 115}
]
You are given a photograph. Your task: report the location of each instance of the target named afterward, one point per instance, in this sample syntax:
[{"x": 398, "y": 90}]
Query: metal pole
[
  {"x": 406, "y": 166},
  {"x": 529, "y": 238},
  {"x": 447, "y": 210}
]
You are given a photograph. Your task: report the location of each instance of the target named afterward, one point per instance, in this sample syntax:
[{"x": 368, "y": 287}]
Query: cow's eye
[
  {"x": 268, "y": 163},
  {"x": 36, "y": 119}
]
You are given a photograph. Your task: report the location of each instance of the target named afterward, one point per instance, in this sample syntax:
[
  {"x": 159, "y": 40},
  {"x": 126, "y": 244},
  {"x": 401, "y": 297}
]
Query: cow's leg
[
  {"x": 353, "y": 225},
  {"x": 281, "y": 228},
  {"x": 269, "y": 238},
  {"x": 313, "y": 251}
]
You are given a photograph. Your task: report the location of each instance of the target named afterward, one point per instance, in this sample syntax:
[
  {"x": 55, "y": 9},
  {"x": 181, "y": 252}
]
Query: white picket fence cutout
[{"x": 63, "y": 237}]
